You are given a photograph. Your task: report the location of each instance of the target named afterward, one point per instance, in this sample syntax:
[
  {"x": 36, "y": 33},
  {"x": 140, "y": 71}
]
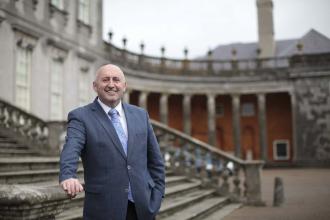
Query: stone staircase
[
  {"x": 199, "y": 184},
  {"x": 185, "y": 198}
]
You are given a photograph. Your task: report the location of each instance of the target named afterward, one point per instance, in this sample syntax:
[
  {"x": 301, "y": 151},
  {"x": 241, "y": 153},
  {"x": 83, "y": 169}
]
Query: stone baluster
[
  {"x": 203, "y": 170},
  {"x": 191, "y": 160},
  {"x": 236, "y": 195},
  {"x": 223, "y": 189},
  {"x": 2, "y": 114}
]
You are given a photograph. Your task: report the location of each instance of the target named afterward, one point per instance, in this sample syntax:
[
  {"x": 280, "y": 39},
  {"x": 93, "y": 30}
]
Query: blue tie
[{"x": 114, "y": 115}]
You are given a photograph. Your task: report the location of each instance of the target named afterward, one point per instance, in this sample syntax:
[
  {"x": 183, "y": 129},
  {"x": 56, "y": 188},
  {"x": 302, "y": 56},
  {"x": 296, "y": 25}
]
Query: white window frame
[
  {"x": 56, "y": 112},
  {"x": 84, "y": 11},
  {"x": 83, "y": 87},
  {"x": 23, "y": 100},
  {"x": 220, "y": 106},
  {"x": 251, "y": 107},
  {"x": 281, "y": 141},
  {"x": 58, "y": 4}
]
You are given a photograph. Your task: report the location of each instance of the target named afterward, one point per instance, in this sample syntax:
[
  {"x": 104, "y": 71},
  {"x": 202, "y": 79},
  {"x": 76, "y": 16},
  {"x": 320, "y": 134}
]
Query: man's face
[{"x": 110, "y": 85}]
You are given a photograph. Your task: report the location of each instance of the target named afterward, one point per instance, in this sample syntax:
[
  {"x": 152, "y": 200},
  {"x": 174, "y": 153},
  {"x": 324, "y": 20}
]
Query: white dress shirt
[{"x": 121, "y": 112}]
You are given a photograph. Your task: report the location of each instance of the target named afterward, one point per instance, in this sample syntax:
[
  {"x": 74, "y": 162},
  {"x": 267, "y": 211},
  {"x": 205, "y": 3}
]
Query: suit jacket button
[
  {"x": 126, "y": 190},
  {"x": 128, "y": 167}
]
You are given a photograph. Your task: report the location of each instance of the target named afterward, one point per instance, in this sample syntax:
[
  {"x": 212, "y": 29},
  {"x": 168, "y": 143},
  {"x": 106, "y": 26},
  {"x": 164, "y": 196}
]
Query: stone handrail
[
  {"x": 23, "y": 124},
  {"x": 31, "y": 202},
  {"x": 205, "y": 66},
  {"x": 231, "y": 176},
  {"x": 42, "y": 137}
]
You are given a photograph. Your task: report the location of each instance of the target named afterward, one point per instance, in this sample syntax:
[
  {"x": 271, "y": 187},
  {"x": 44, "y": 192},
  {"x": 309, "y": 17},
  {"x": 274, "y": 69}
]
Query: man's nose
[{"x": 111, "y": 83}]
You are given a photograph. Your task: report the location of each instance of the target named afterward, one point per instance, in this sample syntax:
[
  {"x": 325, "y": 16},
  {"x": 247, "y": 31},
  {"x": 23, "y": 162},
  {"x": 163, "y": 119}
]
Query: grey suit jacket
[{"x": 107, "y": 170}]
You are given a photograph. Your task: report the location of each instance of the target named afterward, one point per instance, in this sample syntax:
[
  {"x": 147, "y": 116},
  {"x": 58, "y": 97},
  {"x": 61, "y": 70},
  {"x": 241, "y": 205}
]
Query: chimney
[{"x": 266, "y": 28}]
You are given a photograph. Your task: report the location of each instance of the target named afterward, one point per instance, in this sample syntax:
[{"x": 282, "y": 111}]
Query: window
[
  {"x": 281, "y": 150},
  {"x": 23, "y": 74},
  {"x": 84, "y": 11},
  {"x": 56, "y": 108},
  {"x": 219, "y": 109},
  {"x": 57, "y": 3},
  {"x": 248, "y": 109},
  {"x": 83, "y": 87}
]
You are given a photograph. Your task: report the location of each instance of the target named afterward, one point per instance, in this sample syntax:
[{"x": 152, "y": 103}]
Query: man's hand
[{"x": 72, "y": 187}]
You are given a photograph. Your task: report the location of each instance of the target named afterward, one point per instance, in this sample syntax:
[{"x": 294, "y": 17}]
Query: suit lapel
[
  {"x": 103, "y": 119},
  {"x": 130, "y": 127}
]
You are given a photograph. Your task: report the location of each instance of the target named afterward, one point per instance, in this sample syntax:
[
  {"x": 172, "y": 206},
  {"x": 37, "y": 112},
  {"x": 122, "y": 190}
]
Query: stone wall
[{"x": 313, "y": 118}]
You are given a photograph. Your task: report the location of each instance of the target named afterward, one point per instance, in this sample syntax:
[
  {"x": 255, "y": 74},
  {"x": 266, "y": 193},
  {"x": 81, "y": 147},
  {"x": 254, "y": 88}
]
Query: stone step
[
  {"x": 5, "y": 152},
  {"x": 8, "y": 164},
  {"x": 175, "y": 204},
  {"x": 170, "y": 204},
  {"x": 31, "y": 176},
  {"x": 200, "y": 209},
  {"x": 174, "y": 180},
  {"x": 71, "y": 214},
  {"x": 223, "y": 212},
  {"x": 12, "y": 145},
  {"x": 182, "y": 188}
]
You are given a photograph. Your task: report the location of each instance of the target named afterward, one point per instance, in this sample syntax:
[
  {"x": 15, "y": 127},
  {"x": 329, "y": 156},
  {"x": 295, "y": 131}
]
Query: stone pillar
[
  {"x": 126, "y": 96},
  {"x": 294, "y": 129},
  {"x": 164, "y": 108},
  {"x": 143, "y": 99},
  {"x": 253, "y": 183},
  {"x": 56, "y": 135},
  {"x": 211, "y": 119},
  {"x": 262, "y": 125},
  {"x": 236, "y": 124},
  {"x": 187, "y": 113}
]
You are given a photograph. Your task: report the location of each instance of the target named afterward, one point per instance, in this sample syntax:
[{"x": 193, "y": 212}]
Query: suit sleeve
[
  {"x": 74, "y": 144},
  {"x": 155, "y": 160}
]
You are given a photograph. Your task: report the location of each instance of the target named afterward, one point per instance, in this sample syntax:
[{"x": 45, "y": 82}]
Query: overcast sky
[{"x": 203, "y": 24}]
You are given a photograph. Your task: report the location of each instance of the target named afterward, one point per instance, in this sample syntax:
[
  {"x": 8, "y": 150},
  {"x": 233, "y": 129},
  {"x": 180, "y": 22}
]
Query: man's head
[{"x": 110, "y": 84}]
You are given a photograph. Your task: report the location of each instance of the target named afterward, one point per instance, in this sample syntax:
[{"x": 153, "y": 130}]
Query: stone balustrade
[
  {"x": 230, "y": 176},
  {"x": 198, "y": 67},
  {"x": 27, "y": 129}
]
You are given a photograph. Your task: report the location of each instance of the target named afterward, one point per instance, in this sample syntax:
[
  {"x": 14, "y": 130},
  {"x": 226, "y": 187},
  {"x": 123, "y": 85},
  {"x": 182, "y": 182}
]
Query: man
[{"x": 123, "y": 167}]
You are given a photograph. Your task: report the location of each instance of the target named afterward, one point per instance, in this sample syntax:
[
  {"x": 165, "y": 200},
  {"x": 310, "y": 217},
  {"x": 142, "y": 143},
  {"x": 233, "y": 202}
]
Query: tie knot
[{"x": 113, "y": 113}]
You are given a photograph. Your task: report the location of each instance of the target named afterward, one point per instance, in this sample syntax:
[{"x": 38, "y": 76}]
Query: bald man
[{"x": 123, "y": 168}]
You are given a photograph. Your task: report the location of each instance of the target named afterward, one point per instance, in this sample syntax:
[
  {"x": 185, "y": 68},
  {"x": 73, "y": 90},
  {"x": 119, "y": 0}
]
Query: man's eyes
[{"x": 113, "y": 79}]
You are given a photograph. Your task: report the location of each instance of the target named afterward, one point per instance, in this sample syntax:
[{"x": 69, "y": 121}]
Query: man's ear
[
  {"x": 94, "y": 86},
  {"x": 125, "y": 87}
]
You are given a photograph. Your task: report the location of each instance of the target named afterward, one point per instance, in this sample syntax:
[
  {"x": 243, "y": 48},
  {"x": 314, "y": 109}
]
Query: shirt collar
[{"x": 106, "y": 108}]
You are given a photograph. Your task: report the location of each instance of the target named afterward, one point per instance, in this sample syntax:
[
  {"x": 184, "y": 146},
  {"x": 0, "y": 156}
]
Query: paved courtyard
[{"x": 307, "y": 196}]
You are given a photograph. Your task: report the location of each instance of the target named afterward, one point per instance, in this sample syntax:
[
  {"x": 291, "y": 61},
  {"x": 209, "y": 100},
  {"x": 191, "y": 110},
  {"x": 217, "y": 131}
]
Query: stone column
[
  {"x": 187, "y": 113},
  {"x": 164, "y": 108},
  {"x": 126, "y": 96},
  {"x": 143, "y": 99},
  {"x": 236, "y": 124},
  {"x": 294, "y": 129},
  {"x": 211, "y": 119},
  {"x": 262, "y": 125}
]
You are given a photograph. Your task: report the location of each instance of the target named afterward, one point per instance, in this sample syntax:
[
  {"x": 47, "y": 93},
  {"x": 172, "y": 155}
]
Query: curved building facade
[{"x": 273, "y": 106}]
